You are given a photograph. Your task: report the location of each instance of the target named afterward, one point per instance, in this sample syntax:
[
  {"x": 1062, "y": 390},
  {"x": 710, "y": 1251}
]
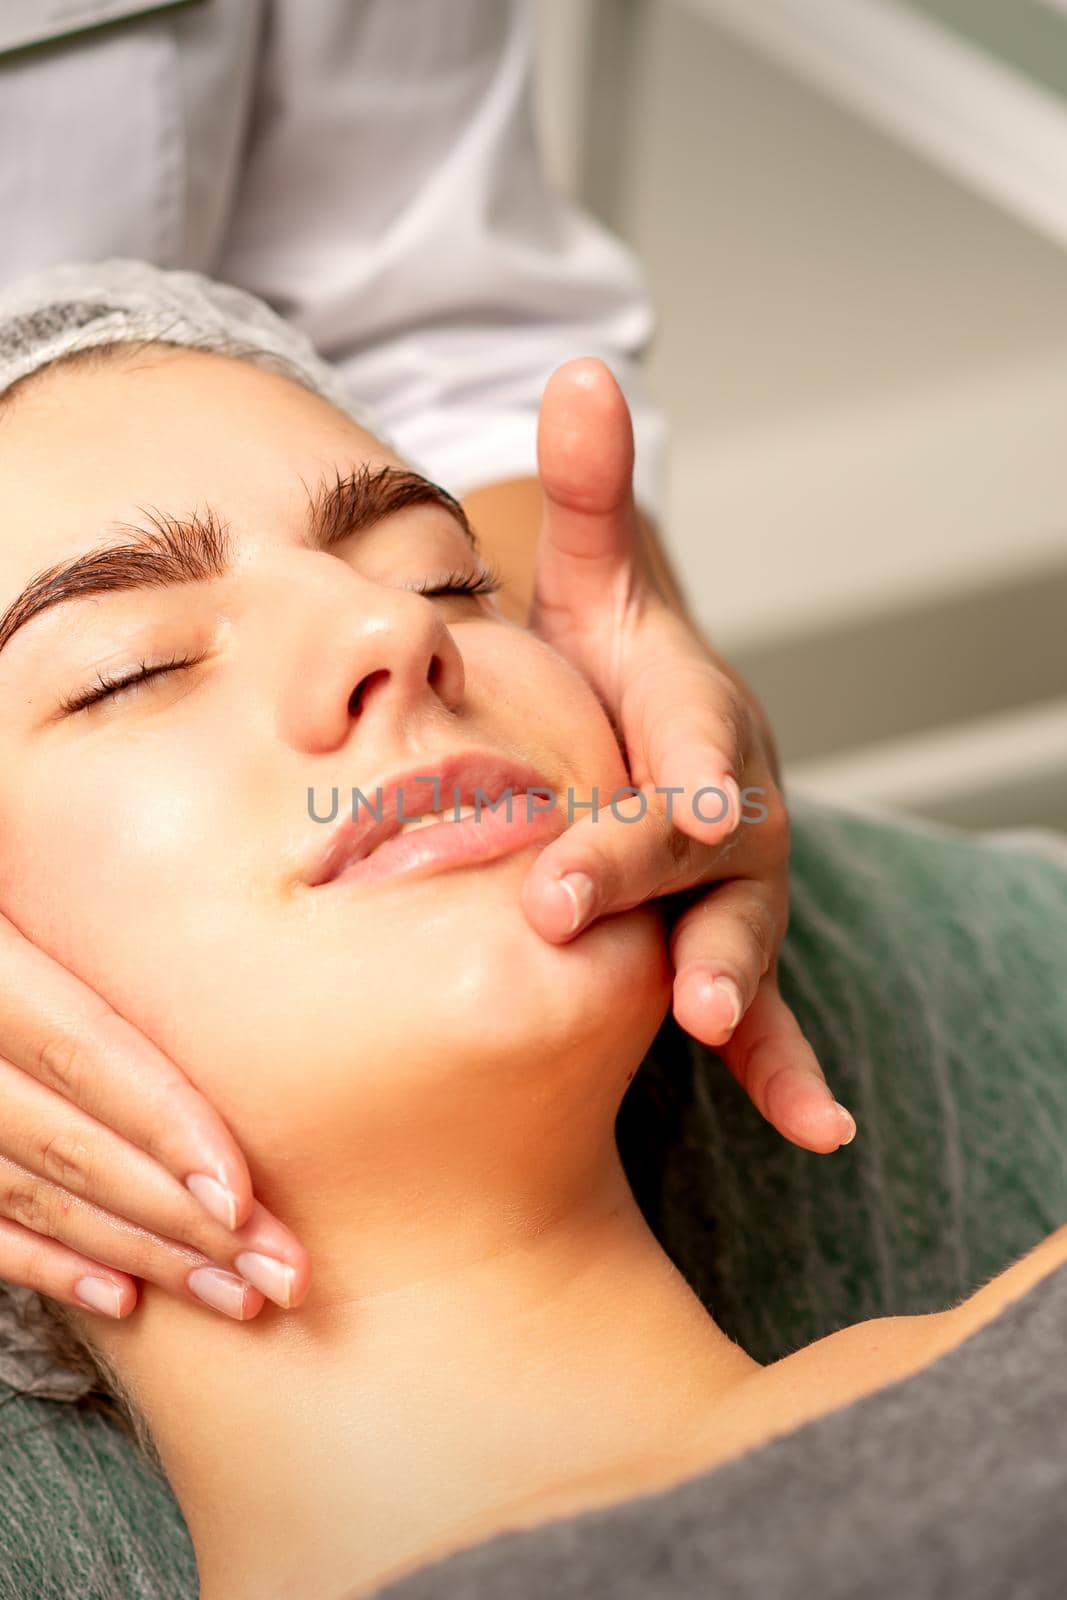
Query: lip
[{"x": 366, "y": 848}]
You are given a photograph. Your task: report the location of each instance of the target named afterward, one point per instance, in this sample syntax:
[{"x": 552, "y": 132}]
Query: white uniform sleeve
[{"x": 394, "y": 207}]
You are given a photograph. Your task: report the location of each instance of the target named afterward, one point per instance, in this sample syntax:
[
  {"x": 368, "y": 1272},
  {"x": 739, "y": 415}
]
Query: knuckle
[
  {"x": 674, "y": 852},
  {"x": 757, "y": 933},
  {"x": 26, "y": 1204},
  {"x": 735, "y": 716},
  {"x": 61, "y": 1064},
  {"x": 63, "y": 1161},
  {"x": 679, "y": 848}
]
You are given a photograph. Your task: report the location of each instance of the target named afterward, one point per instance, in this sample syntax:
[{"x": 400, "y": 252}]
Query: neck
[{"x": 530, "y": 1356}]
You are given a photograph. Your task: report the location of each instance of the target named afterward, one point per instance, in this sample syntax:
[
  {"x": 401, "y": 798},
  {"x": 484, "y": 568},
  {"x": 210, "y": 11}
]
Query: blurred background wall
[{"x": 852, "y": 215}]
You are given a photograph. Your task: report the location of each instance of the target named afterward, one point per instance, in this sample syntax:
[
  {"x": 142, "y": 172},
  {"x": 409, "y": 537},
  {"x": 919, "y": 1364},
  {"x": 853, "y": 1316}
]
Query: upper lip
[{"x": 404, "y": 797}]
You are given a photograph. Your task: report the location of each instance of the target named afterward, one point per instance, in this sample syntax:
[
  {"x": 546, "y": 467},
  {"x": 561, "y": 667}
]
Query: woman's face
[{"x": 159, "y": 842}]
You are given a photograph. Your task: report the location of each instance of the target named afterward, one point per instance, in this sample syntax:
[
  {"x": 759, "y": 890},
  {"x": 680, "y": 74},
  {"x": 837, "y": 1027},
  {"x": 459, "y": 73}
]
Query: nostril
[
  {"x": 437, "y": 667},
  {"x": 357, "y": 698}
]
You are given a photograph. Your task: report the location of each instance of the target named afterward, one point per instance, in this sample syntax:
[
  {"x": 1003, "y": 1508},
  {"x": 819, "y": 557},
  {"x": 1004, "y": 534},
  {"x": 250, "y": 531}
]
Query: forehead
[{"x": 82, "y": 447}]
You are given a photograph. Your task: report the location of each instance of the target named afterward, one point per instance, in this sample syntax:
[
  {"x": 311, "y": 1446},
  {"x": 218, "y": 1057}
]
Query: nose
[{"x": 373, "y": 656}]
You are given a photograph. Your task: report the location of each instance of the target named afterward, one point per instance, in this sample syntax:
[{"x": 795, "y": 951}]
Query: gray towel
[{"x": 948, "y": 1485}]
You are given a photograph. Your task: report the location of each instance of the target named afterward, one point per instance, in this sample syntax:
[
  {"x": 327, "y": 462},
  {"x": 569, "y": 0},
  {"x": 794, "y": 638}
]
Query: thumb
[{"x": 585, "y": 458}]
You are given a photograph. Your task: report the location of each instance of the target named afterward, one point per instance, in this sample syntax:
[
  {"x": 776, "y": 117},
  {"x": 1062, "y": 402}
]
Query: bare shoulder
[
  {"x": 844, "y": 1367},
  {"x": 924, "y": 1338},
  {"x": 775, "y": 1400},
  {"x": 988, "y": 1301},
  {"x": 854, "y": 1362}
]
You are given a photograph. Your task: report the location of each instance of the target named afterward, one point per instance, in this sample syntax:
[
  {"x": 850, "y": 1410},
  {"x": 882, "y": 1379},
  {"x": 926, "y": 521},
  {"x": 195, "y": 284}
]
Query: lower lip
[{"x": 436, "y": 846}]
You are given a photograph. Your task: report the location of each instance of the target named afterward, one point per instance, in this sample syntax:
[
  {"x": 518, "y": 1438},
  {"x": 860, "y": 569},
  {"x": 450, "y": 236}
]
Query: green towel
[{"x": 927, "y": 970}]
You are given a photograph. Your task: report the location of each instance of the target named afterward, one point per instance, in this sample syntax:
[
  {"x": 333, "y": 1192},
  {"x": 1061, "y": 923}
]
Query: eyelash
[
  {"x": 486, "y": 580},
  {"x": 483, "y": 580},
  {"x": 106, "y": 687}
]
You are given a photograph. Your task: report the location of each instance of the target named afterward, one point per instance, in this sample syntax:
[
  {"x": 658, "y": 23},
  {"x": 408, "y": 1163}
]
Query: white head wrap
[{"x": 63, "y": 309}]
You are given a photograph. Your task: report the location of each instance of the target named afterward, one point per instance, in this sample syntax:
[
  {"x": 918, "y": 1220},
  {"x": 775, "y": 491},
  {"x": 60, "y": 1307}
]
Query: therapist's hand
[
  {"x": 687, "y": 722},
  {"x": 113, "y": 1168}
]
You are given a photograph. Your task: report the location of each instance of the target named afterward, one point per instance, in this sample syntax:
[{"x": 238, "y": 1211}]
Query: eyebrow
[{"x": 175, "y": 550}]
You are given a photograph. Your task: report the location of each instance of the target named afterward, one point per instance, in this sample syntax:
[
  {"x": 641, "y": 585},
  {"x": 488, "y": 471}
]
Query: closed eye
[
  {"x": 107, "y": 687},
  {"x": 484, "y": 580}
]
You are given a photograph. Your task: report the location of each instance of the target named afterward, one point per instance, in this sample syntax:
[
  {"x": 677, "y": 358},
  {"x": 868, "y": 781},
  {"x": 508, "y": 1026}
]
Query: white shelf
[
  {"x": 976, "y": 117},
  {"x": 984, "y": 766}
]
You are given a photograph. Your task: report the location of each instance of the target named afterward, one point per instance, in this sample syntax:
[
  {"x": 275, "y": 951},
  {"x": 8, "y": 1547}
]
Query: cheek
[
  {"x": 541, "y": 705},
  {"x": 103, "y": 865}
]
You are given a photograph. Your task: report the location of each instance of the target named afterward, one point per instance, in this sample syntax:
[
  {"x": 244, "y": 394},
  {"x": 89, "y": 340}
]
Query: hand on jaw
[{"x": 687, "y": 723}]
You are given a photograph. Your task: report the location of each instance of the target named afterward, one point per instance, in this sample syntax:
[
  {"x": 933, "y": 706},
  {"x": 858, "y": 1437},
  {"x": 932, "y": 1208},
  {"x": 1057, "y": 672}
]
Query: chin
[
  {"x": 499, "y": 985},
  {"x": 454, "y": 1011},
  {"x": 436, "y": 977}
]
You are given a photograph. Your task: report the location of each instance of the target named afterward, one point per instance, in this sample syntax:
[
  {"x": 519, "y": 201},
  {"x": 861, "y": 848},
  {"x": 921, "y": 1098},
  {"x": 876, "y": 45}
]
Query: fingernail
[
  {"x": 849, "y": 1120},
  {"x": 581, "y": 891},
  {"x": 270, "y": 1277},
  {"x": 100, "y": 1294},
  {"x": 727, "y": 988},
  {"x": 223, "y": 1291},
  {"x": 217, "y": 1201}
]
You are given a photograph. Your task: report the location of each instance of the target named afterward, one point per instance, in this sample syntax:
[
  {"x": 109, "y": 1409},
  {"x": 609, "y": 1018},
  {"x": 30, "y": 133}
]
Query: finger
[
  {"x": 778, "y": 1069},
  {"x": 720, "y": 949},
  {"x": 44, "y": 1211},
  {"x": 62, "y": 1033},
  {"x": 34, "y": 1262},
  {"x": 48, "y": 1137},
  {"x": 585, "y": 458},
  {"x": 620, "y": 857},
  {"x": 687, "y": 730}
]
